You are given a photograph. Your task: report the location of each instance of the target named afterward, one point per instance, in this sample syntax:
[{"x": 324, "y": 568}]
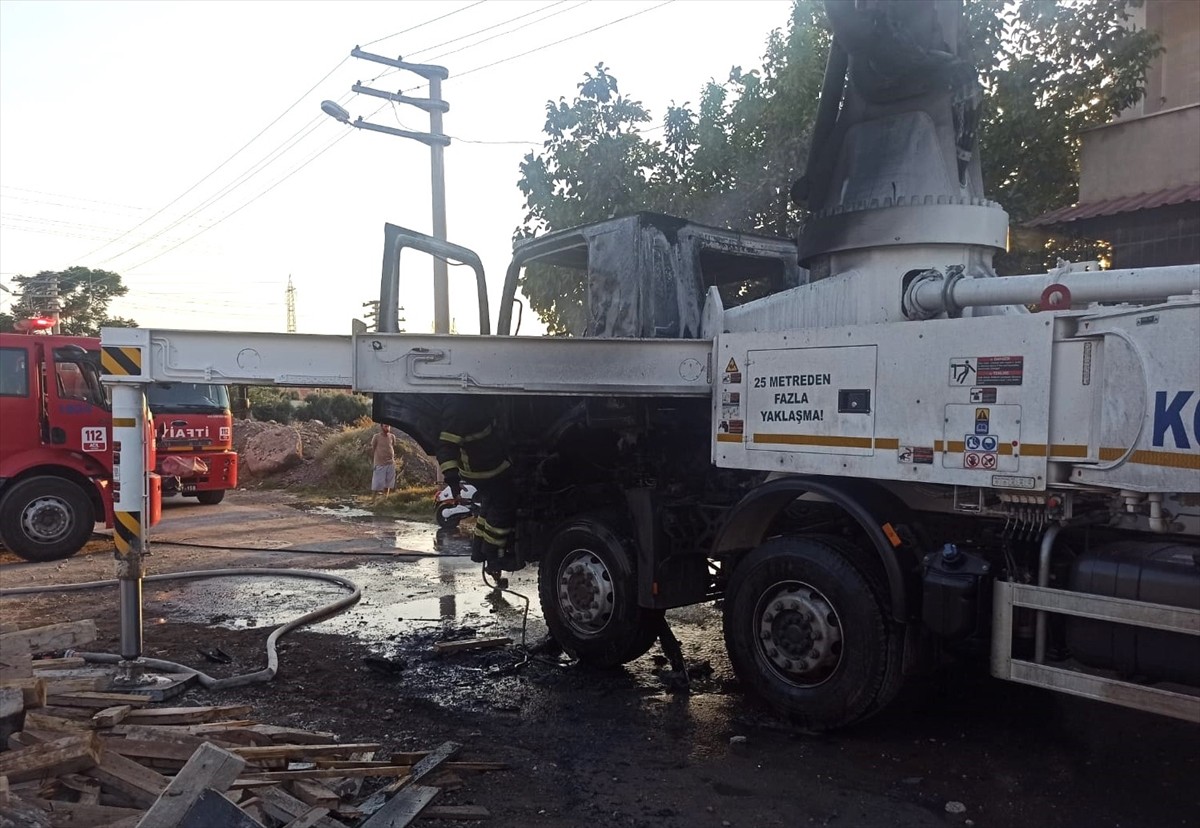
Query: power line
[
  {"x": 420, "y": 25},
  {"x": 489, "y": 28},
  {"x": 344, "y": 134},
  {"x": 563, "y": 39},
  {"x": 219, "y": 167},
  {"x": 254, "y": 170},
  {"x": 206, "y": 228}
]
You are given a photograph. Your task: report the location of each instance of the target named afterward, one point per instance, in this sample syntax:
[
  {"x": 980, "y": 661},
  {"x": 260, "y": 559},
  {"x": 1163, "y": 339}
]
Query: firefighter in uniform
[{"x": 471, "y": 449}]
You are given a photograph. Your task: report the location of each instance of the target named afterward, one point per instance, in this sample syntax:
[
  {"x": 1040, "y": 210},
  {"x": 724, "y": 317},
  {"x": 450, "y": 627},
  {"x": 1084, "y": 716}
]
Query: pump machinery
[{"x": 870, "y": 450}]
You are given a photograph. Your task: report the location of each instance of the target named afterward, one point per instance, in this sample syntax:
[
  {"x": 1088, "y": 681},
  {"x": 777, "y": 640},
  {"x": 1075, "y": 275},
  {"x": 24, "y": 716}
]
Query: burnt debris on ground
[{"x": 79, "y": 756}]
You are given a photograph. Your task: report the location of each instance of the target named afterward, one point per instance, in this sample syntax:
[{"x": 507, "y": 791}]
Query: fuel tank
[{"x": 1160, "y": 573}]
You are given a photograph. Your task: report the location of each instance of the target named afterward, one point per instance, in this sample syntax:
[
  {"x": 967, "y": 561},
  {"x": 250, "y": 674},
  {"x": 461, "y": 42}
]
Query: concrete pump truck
[{"x": 867, "y": 448}]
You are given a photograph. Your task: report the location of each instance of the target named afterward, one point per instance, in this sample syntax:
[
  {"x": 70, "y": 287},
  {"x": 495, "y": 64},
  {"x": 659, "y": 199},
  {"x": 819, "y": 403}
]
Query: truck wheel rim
[
  {"x": 799, "y": 633},
  {"x": 46, "y": 519},
  {"x": 585, "y": 592}
]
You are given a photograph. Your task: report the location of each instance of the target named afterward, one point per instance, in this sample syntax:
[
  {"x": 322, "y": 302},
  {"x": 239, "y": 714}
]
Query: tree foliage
[
  {"x": 83, "y": 299},
  {"x": 1049, "y": 70}
]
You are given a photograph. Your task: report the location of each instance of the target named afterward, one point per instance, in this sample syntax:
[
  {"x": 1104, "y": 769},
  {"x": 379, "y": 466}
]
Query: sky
[{"x": 181, "y": 144}]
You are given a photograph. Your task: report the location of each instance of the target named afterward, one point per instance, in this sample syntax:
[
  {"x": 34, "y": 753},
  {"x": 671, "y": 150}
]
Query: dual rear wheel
[{"x": 805, "y": 629}]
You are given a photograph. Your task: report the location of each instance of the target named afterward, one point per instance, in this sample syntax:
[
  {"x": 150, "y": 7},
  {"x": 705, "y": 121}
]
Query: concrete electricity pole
[{"x": 437, "y": 143}]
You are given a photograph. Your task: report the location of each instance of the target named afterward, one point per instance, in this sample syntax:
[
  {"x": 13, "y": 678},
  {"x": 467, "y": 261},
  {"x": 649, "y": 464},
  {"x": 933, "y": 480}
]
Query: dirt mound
[
  {"x": 415, "y": 468},
  {"x": 313, "y": 433}
]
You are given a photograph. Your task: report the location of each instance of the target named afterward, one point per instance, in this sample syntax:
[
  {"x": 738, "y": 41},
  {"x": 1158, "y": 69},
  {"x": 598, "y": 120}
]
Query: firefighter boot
[{"x": 479, "y": 550}]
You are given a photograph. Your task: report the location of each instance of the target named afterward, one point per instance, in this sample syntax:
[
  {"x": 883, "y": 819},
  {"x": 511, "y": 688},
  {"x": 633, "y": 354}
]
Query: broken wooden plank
[
  {"x": 12, "y": 701},
  {"x": 349, "y": 787},
  {"x": 212, "y": 809},
  {"x": 186, "y": 715},
  {"x": 32, "y": 689},
  {"x": 178, "y": 749},
  {"x": 286, "y": 808},
  {"x": 312, "y": 792},
  {"x": 110, "y": 716},
  {"x": 293, "y": 735},
  {"x": 267, "y": 777},
  {"x": 135, "y": 782},
  {"x": 430, "y": 763},
  {"x": 476, "y": 766},
  {"x": 471, "y": 644},
  {"x": 154, "y": 731},
  {"x": 303, "y": 752},
  {"x": 65, "y": 755},
  {"x": 67, "y": 663},
  {"x": 461, "y": 813},
  {"x": 83, "y": 714},
  {"x": 210, "y": 768},
  {"x": 78, "y": 813},
  {"x": 447, "y": 781},
  {"x": 88, "y": 789},
  {"x": 15, "y": 661},
  {"x": 50, "y": 637},
  {"x": 403, "y": 808},
  {"x": 83, "y": 684},
  {"x": 40, "y": 720},
  {"x": 310, "y": 818},
  {"x": 98, "y": 701}
]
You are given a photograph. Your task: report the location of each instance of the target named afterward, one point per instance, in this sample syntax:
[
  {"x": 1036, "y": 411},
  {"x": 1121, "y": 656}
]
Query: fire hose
[{"x": 207, "y": 681}]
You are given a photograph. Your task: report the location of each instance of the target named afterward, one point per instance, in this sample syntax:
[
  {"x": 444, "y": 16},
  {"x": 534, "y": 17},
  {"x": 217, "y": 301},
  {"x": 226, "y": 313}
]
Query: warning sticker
[
  {"x": 732, "y": 367},
  {"x": 983, "y": 460},
  {"x": 732, "y": 379},
  {"x": 987, "y": 370},
  {"x": 732, "y": 427},
  {"x": 983, "y": 395},
  {"x": 1001, "y": 370},
  {"x": 915, "y": 455}
]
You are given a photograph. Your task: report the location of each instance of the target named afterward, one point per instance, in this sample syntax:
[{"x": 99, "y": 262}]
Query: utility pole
[
  {"x": 434, "y": 139},
  {"x": 291, "y": 306}
]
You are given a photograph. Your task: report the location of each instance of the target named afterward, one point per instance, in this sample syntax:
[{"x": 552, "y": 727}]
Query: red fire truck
[
  {"x": 55, "y": 446},
  {"x": 193, "y": 428}
]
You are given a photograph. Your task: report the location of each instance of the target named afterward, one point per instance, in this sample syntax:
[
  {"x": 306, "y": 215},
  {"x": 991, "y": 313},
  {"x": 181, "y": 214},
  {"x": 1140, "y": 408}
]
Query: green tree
[
  {"x": 1049, "y": 70},
  {"x": 83, "y": 298},
  {"x": 596, "y": 164}
]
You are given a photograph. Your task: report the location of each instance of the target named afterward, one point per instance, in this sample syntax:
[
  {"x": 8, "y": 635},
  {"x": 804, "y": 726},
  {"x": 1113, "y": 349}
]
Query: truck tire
[
  {"x": 45, "y": 518},
  {"x": 211, "y": 497},
  {"x": 810, "y": 634},
  {"x": 587, "y": 583}
]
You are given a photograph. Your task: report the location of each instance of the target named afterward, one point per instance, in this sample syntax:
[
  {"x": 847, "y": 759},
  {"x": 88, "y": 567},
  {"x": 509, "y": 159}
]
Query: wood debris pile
[{"x": 80, "y": 757}]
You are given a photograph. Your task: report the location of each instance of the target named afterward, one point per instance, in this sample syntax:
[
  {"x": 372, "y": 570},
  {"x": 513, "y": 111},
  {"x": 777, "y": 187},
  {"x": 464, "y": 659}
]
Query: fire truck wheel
[
  {"x": 588, "y": 588},
  {"x": 45, "y": 518},
  {"x": 809, "y": 633},
  {"x": 211, "y": 497}
]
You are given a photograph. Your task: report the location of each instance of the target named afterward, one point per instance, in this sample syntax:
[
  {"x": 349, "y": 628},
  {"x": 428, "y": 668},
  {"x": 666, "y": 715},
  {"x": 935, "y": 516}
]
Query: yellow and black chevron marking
[
  {"x": 127, "y": 530},
  {"x": 120, "y": 362}
]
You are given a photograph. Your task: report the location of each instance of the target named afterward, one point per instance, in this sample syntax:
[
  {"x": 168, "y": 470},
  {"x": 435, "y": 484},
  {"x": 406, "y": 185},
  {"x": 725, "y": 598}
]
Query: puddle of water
[
  {"x": 399, "y": 598},
  {"x": 344, "y": 512}
]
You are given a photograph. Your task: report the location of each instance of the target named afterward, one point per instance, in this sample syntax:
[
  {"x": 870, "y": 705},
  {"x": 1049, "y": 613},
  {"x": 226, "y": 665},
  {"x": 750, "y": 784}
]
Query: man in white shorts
[{"x": 383, "y": 458}]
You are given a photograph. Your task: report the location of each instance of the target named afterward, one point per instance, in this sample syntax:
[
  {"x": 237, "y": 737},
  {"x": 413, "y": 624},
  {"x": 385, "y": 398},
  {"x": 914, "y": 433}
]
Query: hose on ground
[
  {"x": 207, "y": 681},
  {"x": 399, "y": 553}
]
